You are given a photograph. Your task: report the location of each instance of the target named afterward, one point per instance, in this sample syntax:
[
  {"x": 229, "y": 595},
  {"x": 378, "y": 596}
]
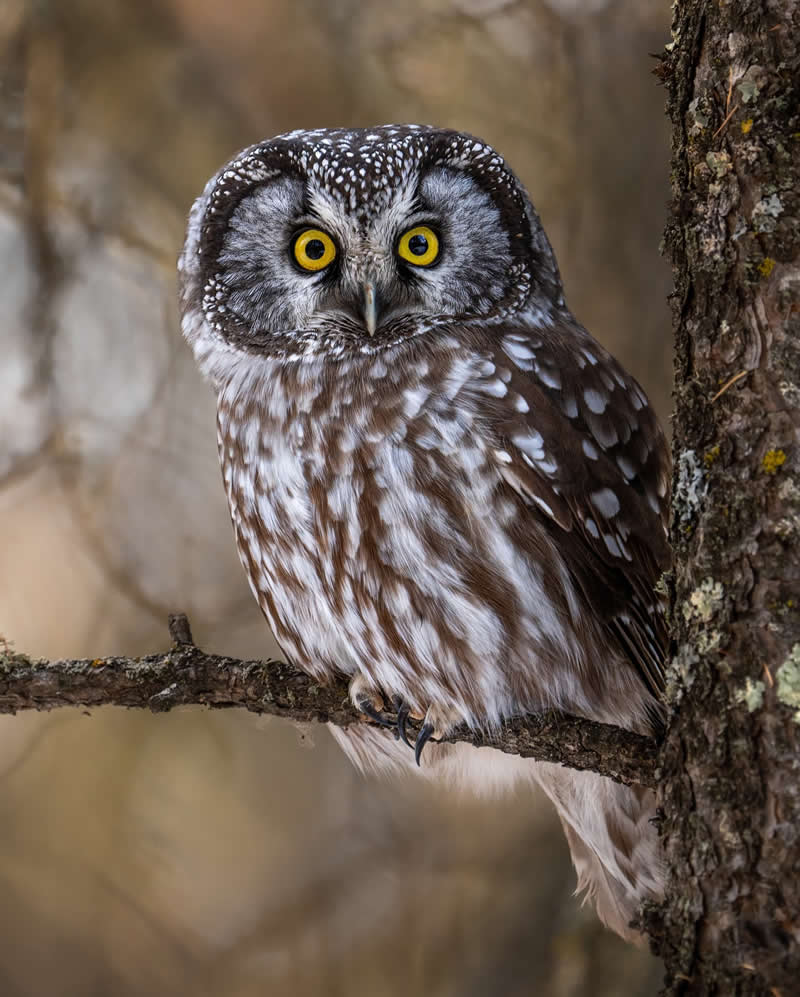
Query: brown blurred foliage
[{"x": 215, "y": 854}]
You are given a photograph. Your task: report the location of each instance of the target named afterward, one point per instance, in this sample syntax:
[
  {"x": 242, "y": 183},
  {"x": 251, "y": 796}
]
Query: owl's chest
[
  {"x": 356, "y": 515},
  {"x": 354, "y": 493}
]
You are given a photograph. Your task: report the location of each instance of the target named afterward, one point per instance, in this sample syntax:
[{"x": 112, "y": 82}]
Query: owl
[{"x": 440, "y": 484}]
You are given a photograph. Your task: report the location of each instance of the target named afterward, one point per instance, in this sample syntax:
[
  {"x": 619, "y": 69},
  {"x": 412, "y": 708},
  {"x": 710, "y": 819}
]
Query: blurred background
[{"x": 215, "y": 853}]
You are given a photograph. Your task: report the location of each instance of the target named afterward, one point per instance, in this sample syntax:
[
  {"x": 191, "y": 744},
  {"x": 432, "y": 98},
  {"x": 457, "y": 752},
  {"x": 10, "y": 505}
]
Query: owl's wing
[{"x": 577, "y": 439}]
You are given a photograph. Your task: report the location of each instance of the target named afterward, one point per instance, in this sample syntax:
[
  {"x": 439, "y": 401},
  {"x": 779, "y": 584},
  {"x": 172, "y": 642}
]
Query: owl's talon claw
[
  {"x": 425, "y": 734},
  {"x": 402, "y": 718},
  {"x": 366, "y": 707}
]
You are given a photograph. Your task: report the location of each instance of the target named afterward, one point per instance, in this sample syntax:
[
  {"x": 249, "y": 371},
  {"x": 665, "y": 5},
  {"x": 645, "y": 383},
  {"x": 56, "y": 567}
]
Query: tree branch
[{"x": 186, "y": 675}]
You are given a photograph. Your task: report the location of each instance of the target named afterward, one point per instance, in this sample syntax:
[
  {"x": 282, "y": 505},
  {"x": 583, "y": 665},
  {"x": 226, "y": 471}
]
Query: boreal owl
[{"x": 441, "y": 485}]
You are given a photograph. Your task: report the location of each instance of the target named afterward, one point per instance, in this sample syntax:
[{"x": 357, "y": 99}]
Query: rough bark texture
[
  {"x": 186, "y": 676},
  {"x": 731, "y": 793}
]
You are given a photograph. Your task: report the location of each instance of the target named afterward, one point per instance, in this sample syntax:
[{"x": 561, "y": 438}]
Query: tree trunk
[{"x": 731, "y": 769}]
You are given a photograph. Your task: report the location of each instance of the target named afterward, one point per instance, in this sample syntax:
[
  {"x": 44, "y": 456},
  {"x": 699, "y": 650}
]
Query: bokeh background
[{"x": 200, "y": 853}]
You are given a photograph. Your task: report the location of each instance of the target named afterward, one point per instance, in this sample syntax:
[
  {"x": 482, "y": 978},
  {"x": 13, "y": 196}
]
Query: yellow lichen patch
[
  {"x": 772, "y": 461},
  {"x": 96, "y": 662},
  {"x": 710, "y": 456},
  {"x": 766, "y": 266},
  {"x": 746, "y": 126}
]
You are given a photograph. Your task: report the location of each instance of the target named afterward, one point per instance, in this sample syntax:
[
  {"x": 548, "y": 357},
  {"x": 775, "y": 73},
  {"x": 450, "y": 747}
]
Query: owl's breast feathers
[{"x": 471, "y": 521}]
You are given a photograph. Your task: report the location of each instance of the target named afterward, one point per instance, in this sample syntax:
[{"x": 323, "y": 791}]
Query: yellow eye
[
  {"x": 314, "y": 249},
  {"x": 419, "y": 246}
]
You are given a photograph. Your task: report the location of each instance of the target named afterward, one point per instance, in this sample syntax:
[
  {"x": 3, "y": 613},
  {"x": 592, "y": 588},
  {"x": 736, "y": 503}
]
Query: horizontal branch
[{"x": 186, "y": 675}]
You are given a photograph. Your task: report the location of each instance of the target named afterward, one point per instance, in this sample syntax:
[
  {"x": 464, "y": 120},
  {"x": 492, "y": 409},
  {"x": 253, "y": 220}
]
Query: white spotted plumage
[{"x": 464, "y": 507}]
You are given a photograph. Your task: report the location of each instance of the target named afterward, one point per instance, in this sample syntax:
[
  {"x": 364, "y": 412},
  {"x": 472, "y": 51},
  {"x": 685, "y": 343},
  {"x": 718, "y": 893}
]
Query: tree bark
[{"x": 730, "y": 787}]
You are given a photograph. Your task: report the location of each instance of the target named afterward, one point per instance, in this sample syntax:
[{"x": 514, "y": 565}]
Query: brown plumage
[{"x": 440, "y": 484}]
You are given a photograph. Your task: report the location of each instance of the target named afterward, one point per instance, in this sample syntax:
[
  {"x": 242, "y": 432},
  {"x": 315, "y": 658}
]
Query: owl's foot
[
  {"x": 403, "y": 711},
  {"x": 400, "y": 726},
  {"x": 425, "y": 735},
  {"x": 437, "y": 723},
  {"x": 369, "y": 702}
]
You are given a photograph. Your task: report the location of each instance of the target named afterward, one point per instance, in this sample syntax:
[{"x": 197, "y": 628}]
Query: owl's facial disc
[
  {"x": 297, "y": 261},
  {"x": 322, "y": 243}
]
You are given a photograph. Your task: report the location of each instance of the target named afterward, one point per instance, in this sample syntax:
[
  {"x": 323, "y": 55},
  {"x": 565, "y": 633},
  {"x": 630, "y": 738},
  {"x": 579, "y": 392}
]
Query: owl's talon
[
  {"x": 365, "y": 705},
  {"x": 368, "y": 701},
  {"x": 425, "y": 734},
  {"x": 402, "y": 718}
]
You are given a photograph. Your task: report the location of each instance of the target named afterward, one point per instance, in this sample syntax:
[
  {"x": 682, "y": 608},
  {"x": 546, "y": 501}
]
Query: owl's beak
[{"x": 370, "y": 305}]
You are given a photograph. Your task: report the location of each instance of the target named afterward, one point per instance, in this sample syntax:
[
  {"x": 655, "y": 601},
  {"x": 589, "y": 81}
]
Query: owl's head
[{"x": 320, "y": 243}]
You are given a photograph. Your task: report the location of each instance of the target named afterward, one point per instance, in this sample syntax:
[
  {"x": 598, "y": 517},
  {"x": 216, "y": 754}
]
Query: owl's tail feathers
[{"x": 614, "y": 845}]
